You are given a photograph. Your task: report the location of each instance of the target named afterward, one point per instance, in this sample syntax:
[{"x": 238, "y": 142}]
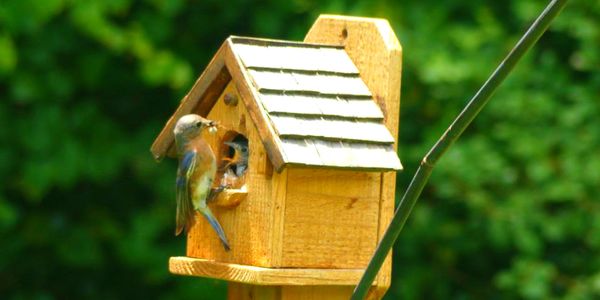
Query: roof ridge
[{"x": 265, "y": 42}]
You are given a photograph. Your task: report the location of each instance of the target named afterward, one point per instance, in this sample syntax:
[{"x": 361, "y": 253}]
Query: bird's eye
[
  {"x": 244, "y": 149},
  {"x": 198, "y": 124}
]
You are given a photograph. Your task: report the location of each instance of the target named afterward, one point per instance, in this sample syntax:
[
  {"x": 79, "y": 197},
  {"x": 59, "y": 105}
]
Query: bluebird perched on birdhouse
[{"x": 196, "y": 173}]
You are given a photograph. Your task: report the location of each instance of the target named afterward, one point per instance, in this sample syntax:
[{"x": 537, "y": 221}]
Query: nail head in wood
[
  {"x": 230, "y": 99},
  {"x": 345, "y": 33}
]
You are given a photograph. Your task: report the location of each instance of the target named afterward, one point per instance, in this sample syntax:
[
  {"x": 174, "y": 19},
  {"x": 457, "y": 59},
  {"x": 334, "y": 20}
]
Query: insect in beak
[{"x": 212, "y": 126}]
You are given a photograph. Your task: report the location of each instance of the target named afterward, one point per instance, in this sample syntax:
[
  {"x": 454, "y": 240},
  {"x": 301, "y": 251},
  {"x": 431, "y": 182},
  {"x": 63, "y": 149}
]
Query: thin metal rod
[{"x": 451, "y": 134}]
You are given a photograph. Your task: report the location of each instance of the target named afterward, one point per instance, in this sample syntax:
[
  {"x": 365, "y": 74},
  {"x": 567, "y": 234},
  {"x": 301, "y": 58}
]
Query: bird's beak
[{"x": 211, "y": 125}]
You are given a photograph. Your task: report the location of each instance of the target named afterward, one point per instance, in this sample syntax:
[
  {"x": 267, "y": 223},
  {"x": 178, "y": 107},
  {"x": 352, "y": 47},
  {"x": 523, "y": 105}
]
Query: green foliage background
[{"x": 512, "y": 211}]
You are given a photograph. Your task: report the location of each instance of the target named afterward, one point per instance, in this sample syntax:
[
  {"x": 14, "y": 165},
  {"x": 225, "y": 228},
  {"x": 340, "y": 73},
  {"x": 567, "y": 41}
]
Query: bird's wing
[{"x": 185, "y": 209}]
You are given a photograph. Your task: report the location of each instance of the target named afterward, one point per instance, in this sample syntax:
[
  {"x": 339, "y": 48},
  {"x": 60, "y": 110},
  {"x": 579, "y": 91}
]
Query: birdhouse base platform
[{"x": 182, "y": 265}]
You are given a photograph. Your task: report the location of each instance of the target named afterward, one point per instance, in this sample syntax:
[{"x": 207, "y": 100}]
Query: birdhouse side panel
[
  {"x": 247, "y": 226},
  {"x": 331, "y": 218},
  {"x": 375, "y": 50}
]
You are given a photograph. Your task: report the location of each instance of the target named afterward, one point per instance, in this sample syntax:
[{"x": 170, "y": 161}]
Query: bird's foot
[{"x": 214, "y": 192}]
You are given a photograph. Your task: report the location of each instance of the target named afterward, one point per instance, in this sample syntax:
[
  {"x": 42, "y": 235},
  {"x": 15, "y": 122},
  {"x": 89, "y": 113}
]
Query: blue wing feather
[
  {"x": 185, "y": 209},
  {"x": 186, "y": 161}
]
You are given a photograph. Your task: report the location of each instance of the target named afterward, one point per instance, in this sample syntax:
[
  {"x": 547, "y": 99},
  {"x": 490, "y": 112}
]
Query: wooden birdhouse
[{"x": 320, "y": 120}]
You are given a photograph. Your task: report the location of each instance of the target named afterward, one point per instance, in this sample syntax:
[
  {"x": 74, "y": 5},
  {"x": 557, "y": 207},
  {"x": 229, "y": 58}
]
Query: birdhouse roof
[{"x": 309, "y": 103}]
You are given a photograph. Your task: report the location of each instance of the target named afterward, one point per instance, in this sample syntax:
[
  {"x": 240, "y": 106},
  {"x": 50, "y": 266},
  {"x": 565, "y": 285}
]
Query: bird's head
[
  {"x": 240, "y": 154},
  {"x": 192, "y": 125}
]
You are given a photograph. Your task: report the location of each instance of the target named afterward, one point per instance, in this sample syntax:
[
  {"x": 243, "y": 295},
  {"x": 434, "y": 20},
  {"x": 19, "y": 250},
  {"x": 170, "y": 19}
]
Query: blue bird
[{"x": 195, "y": 175}]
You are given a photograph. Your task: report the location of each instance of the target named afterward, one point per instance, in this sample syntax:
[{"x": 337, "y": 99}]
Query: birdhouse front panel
[{"x": 249, "y": 225}]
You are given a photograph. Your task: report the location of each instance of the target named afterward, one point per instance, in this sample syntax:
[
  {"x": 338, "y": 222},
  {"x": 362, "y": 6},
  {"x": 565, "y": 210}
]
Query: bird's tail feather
[
  {"x": 185, "y": 212},
  {"x": 216, "y": 226}
]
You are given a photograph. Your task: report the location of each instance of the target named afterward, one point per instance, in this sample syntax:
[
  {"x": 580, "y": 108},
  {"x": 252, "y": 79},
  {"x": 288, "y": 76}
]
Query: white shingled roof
[{"x": 320, "y": 108}]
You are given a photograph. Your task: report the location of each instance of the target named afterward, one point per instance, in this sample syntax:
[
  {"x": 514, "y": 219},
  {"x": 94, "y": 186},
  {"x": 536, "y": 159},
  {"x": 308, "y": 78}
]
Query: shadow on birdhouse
[{"x": 307, "y": 148}]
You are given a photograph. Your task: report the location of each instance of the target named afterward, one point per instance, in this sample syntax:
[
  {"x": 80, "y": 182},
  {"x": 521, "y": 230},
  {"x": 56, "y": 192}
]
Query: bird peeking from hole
[
  {"x": 195, "y": 174},
  {"x": 239, "y": 159},
  {"x": 234, "y": 167}
]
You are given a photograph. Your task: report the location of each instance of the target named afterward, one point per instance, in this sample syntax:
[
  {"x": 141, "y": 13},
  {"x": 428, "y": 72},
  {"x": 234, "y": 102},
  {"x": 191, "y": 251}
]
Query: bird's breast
[{"x": 204, "y": 173}]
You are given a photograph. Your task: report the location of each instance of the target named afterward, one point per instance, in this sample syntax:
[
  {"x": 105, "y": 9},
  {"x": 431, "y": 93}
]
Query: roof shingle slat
[
  {"x": 281, "y": 81},
  {"x": 376, "y": 156},
  {"x": 295, "y": 58},
  {"x": 342, "y": 85},
  {"x": 340, "y": 154},
  {"x": 252, "y": 55},
  {"x": 320, "y": 106},
  {"x": 335, "y": 59},
  {"x": 300, "y": 152},
  {"x": 312, "y": 83},
  {"x": 332, "y": 84},
  {"x": 333, "y": 154},
  {"x": 363, "y": 108},
  {"x": 279, "y": 103},
  {"x": 332, "y": 129}
]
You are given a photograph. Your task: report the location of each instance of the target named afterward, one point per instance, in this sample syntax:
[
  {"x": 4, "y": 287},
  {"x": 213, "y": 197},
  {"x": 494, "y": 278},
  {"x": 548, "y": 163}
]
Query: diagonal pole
[{"x": 448, "y": 138}]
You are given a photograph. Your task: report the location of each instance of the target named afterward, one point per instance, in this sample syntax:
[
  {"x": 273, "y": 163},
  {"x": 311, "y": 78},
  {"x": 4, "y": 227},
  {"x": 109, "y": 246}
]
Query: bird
[
  {"x": 195, "y": 174},
  {"x": 239, "y": 158}
]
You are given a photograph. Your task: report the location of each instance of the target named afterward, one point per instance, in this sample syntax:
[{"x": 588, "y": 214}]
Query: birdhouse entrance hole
[
  {"x": 233, "y": 154},
  {"x": 236, "y": 154}
]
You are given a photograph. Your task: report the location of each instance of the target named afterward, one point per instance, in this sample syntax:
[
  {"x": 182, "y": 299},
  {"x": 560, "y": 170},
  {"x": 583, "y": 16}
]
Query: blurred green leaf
[{"x": 8, "y": 55}]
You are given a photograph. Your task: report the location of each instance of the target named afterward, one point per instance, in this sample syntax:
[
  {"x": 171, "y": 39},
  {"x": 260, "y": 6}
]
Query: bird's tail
[{"x": 216, "y": 226}]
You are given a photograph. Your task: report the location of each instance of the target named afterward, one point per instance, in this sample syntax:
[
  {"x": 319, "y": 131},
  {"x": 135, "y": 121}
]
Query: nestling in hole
[{"x": 234, "y": 162}]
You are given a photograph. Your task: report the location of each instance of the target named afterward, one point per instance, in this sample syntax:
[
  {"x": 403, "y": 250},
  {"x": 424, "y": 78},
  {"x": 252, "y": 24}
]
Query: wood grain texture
[
  {"x": 199, "y": 99},
  {"x": 244, "y": 291},
  {"x": 263, "y": 276},
  {"x": 279, "y": 198},
  {"x": 318, "y": 292},
  {"x": 231, "y": 198},
  {"x": 376, "y": 52},
  {"x": 331, "y": 218}
]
